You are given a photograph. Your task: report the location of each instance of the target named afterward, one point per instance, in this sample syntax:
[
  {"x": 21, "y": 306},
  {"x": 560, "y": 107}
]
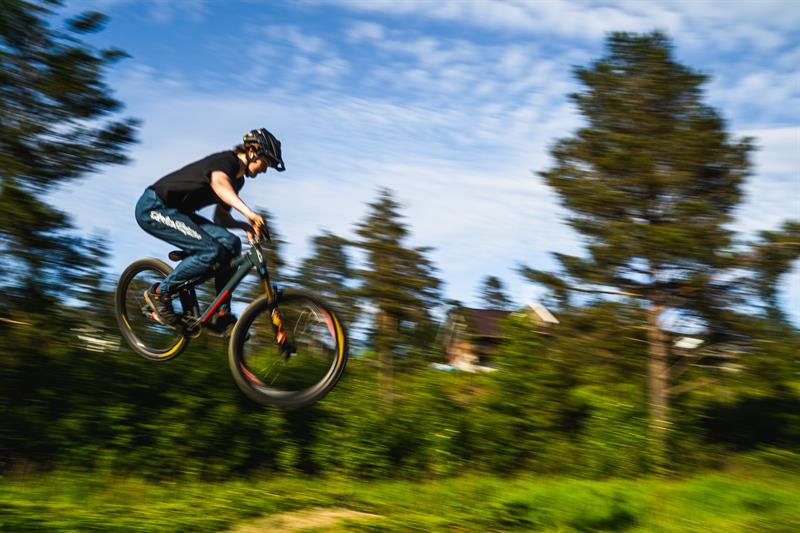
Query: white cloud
[
  {"x": 365, "y": 31},
  {"x": 165, "y": 11},
  {"x": 772, "y": 195},
  {"x": 319, "y": 69},
  {"x": 161, "y": 11},
  {"x": 306, "y": 43},
  {"x": 574, "y": 19},
  {"x": 767, "y": 91},
  {"x": 289, "y": 56},
  {"x": 763, "y": 26},
  {"x": 789, "y": 60},
  {"x": 514, "y": 60},
  {"x": 778, "y": 153}
]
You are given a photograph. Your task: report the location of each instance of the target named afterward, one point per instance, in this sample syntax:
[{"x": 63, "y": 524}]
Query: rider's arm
[
  {"x": 222, "y": 217},
  {"x": 221, "y": 185}
]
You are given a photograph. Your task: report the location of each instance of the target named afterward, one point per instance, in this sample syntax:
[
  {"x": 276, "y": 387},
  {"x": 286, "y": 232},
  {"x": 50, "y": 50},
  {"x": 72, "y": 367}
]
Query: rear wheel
[
  {"x": 145, "y": 335},
  {"x": 270, "y": 376}
]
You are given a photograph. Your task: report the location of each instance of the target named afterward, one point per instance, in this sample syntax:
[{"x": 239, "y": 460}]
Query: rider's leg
[
  {"x": 232, "y": 247},
  {"x": 179, "y": 229}
]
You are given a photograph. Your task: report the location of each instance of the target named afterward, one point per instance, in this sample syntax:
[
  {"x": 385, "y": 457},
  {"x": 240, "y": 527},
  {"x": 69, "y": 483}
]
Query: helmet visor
[{"x": 277, "y": 164}]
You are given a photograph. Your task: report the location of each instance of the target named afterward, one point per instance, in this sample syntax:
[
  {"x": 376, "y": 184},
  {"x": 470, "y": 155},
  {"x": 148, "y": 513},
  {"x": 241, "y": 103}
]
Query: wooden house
[{"x": 470, "y": 337}]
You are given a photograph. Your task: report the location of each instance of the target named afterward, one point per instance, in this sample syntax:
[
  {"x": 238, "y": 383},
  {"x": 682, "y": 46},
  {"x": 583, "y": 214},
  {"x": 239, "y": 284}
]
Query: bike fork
[
  {"x": 277, "y": 322},
  {"x": 273, "y": 296}
]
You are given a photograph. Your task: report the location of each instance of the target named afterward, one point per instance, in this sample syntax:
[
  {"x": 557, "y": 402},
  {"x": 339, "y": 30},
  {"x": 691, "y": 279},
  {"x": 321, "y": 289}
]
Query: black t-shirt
[{"x": 189, "y": 188}]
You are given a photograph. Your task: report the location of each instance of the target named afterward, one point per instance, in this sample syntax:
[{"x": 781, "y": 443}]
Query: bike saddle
[{"x": 177, "y": 255}]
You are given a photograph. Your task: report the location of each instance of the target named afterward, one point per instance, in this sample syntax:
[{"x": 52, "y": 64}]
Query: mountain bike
[{"x": 288, "y": 348}]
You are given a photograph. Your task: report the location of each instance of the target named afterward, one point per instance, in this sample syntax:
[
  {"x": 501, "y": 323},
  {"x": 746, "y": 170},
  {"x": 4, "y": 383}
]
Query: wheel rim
[
  {"x": 143, "y": 330},
  {"x": 310, "y": 369}
]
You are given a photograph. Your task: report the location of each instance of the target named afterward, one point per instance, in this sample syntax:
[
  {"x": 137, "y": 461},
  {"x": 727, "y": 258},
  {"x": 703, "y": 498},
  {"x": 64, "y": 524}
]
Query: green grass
[{"x": 712, "y": 502}]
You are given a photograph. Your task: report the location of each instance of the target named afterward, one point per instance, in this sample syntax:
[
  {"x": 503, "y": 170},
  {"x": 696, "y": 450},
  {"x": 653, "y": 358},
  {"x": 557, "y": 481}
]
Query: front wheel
[
  {"x": 271, "y": 376},
  {"x": 148, "y": 337}
]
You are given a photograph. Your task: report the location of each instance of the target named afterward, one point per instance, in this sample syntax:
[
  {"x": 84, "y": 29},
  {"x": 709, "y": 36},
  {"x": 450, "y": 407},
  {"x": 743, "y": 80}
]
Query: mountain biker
[{"x": 167, "y": 211}]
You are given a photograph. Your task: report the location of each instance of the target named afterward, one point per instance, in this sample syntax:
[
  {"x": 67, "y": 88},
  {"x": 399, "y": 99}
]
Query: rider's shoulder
[
  {"x": 226, "y": 161},
  {"x": 229, "y": 155}
]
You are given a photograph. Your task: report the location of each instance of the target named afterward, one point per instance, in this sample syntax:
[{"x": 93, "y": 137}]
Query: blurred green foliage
[
  {"x": 571, "y": 403},
  {"x": 758, "y": 500}
]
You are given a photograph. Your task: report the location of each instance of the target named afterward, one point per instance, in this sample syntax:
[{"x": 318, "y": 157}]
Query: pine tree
[
  {"x": 398, "y": 282},
  {"x": 770, "y": 258},
  {"x": 651, "y": 183},
  {"x": 493, "y": 293},
  {"x": 58, "y": 124}
]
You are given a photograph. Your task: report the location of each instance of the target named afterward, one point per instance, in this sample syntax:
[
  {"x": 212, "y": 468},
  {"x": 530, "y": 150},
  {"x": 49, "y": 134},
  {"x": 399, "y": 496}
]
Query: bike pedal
[{"x": 192, "y": 330}]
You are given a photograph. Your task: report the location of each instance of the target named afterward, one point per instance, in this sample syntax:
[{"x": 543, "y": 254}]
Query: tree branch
[
  {"x": 683, "y": 364},
  {"x": 598, "y": 291},
  {"x": 16, "y": 322}
]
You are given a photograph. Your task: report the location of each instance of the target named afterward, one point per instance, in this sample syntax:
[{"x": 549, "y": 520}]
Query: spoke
[
  {"x": 299, "y": 322},
  {"x": 276, "y": 375},
  {"x": 265, "y": 372}
]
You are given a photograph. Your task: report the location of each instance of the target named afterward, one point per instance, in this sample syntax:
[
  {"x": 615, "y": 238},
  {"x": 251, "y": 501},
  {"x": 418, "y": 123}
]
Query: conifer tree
[
  {"x": 58, "y": 124},
  {"x": 398, "y": 282},
  {"x": 651, "y": 183},
  {"x": 770, "y": 257},
  {"x": 493, "y": 293}
]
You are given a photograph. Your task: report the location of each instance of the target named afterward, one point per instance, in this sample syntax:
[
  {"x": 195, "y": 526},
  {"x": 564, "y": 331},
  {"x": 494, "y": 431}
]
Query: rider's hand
[{"x": 259, "y": 224}]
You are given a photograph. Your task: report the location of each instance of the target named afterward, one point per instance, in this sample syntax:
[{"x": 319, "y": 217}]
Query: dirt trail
[{"x": 315, "y": 518}]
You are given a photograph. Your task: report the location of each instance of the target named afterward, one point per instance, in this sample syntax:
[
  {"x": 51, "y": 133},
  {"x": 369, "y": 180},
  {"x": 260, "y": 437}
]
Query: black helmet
[{"x": 267, "y": 145}]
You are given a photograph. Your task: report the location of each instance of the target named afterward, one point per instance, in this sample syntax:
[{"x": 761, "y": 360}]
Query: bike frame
[{"x": 256, "y": 258}]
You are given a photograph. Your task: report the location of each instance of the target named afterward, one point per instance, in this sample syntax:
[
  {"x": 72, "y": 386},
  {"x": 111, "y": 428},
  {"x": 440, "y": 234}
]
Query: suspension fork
[{"x": 272, "y": 299}]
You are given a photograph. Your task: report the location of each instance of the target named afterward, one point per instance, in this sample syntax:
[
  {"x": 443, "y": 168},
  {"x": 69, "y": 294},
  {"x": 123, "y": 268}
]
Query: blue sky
[{"x": 452, "y": 104}]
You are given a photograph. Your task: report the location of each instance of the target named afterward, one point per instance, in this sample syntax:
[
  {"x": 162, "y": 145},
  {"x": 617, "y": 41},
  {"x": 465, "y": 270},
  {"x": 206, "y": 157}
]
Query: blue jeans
[{"x": 210, "y": 247}]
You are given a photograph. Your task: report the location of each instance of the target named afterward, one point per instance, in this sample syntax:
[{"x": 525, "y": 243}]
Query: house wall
[{"x": 461, "y": 351}]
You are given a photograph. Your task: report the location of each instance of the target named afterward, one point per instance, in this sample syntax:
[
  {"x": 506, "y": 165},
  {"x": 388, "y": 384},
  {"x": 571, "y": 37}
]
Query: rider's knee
[
  {"x": 233, "y": 245},
  {"x": 213, "y": 254}
]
